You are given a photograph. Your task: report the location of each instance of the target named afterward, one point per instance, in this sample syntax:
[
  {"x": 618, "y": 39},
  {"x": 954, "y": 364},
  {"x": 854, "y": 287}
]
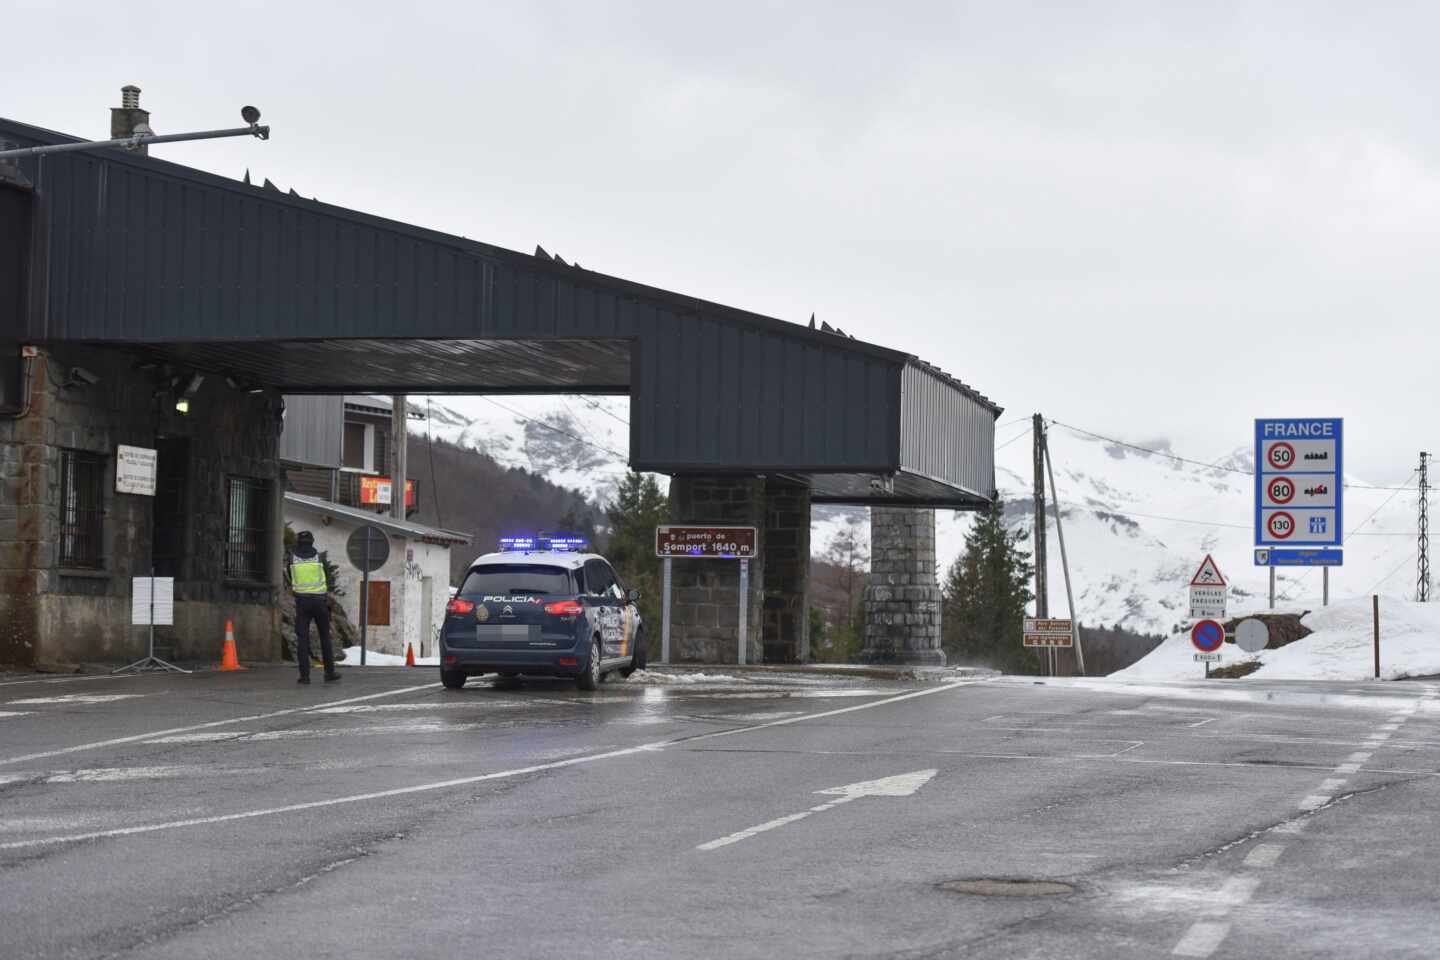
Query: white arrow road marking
[
  {"x": 82, "y": 698},
  {"x": 901, "y": 785}
]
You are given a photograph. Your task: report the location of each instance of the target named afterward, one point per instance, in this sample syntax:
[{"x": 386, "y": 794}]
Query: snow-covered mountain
[{"x": 1137, "y": 524}]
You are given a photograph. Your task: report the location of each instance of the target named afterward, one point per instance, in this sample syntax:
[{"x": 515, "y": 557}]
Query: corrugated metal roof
[{"x": 402, "y": 528}]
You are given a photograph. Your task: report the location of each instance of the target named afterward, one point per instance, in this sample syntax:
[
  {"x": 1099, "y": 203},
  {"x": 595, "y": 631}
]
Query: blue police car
[{"x": 541, "y": 606}]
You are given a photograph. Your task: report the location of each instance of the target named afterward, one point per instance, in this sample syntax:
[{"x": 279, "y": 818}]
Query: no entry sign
[{"x": 1207, "y": 635}]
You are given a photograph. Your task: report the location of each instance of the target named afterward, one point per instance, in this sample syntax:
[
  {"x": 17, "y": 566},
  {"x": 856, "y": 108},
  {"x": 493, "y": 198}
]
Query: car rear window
[{"x": 510, "y": 579}]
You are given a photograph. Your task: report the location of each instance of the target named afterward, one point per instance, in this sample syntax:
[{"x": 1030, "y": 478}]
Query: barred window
[
  {"x": 82, "y": 508},
  {"x": 247, "y": 543}
]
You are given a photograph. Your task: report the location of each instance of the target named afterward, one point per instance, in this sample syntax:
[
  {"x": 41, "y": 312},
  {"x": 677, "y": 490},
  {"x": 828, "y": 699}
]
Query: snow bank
[
  {"x": 374, "y": 659},
  {"x": 654, "y": 676},
  {"x": 1341, "y": 647}
]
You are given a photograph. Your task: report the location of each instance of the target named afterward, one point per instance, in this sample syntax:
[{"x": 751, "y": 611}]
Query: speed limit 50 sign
[{"x": 1299, "y": 490}]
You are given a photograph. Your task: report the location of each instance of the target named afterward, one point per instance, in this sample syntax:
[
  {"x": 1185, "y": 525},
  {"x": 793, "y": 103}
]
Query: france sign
[{"x": 1299, "y": 490}]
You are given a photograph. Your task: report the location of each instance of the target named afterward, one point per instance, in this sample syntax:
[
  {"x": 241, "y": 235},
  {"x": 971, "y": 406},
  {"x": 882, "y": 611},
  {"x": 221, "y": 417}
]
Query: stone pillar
[
  {"x": 787, "y": 571},
  {"x": 902, "y": 602},
  {"x": 705, "y": 594}
]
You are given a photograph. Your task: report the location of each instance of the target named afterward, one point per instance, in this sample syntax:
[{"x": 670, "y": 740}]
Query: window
[
  {"x": 82, "y": 508},
  {"x": 359, "y": 450},
  {"x": 514, "y": 579},
  {"x": 599, "y": 578},
  {"x": 247, "y": 524}
]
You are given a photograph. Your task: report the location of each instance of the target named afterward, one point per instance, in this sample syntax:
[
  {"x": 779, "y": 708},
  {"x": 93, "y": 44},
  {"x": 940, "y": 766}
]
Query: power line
[
  {"x": 1387, "y": 576},
  {"x": 1354, "y": 531},
  {"x": 1198, "y": 463},
  {"x": 1020, "y": 435},
  {"x": 555, "y": 429}
]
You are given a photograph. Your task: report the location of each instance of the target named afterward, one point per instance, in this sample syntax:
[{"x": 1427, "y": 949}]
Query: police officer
[{"x": 308, "y": 580}]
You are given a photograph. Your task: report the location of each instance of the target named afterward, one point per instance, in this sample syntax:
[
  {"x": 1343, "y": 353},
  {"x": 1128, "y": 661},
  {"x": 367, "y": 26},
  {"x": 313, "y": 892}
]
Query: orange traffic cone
[
  {"x": 228, "y": 659},
  {"x": 409, "y": 655}
]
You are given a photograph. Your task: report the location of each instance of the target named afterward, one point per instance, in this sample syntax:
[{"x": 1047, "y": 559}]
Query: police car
[{"x": 541, "y": 606}]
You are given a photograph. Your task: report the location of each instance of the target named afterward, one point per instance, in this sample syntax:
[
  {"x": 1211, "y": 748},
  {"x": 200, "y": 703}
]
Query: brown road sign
[
  {"x": 705, "y": 542},
  {"x": 1048, "y": 627},
  {"x": 1048, "y": 640}
]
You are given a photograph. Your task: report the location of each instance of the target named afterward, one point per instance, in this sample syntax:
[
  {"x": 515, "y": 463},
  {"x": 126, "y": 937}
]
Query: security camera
[
  {"x": 250, "y": 115},
  {"x": 876, "y": 483},
  {"x": 80, "y": 376}
]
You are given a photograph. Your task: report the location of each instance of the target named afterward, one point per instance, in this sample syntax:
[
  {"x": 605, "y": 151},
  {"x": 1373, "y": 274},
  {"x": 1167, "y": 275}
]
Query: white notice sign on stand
[{"x": 163, "y": 601}]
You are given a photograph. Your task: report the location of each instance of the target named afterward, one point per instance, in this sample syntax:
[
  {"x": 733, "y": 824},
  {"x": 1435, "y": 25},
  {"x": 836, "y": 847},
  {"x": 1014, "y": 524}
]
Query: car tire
[
  {"x": 452, "y": 679},
  {"x": 638, "y": 659},
  {"x": 590, "y": 679}
]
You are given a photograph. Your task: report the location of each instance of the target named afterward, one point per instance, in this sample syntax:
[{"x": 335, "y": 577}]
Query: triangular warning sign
[{"x": 1208, "y": 575}]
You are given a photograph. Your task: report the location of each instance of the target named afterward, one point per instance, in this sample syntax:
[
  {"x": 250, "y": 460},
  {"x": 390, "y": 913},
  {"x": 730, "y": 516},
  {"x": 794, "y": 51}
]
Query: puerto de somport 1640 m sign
[{"x": 1299, "y": 492}]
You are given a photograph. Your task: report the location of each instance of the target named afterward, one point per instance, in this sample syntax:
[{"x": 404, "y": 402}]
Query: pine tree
[
  {"x": 638, "y": 508},
  {"x": 985, "y": 593}
]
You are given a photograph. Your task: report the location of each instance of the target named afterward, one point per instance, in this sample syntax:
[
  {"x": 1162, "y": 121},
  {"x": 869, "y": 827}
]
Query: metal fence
[
  {"x": 247, "y": 548},
  {"x": 82, "y": 508}
]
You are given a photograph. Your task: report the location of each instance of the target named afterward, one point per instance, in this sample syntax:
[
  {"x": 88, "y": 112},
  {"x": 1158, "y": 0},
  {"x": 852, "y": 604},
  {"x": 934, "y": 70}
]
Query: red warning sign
[
  {"x": 1281, "y": 525},
  {"x": 1281, "y": 456},
  {"x": 1281, "y": 490},
  {"x": 1208, "y": 575}
]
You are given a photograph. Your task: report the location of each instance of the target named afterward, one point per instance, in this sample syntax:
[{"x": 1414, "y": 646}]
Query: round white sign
[{"x": 1252, "y": 635}]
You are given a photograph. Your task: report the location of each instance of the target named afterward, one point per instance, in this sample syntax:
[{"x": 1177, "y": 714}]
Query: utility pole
[
  {"x": 1042, "y": 591},
  {"x": 1422, "y": 574},
  {"x": 1042, "y": 597},
  {"x": 399, "y": 441},
  {"x": 1064, "y": 563}
]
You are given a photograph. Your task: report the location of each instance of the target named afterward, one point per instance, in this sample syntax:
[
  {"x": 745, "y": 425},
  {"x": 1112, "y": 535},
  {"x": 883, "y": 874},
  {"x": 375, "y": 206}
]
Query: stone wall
[
  {"x": 902, "y": 601},
  {"x": 51, "y": 615},
  {"x": 787, "y": 571},
  {"x": 705, "y": 594}
]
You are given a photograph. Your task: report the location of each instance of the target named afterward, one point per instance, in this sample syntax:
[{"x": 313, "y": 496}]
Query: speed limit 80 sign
[{"x": 1298, "y": 481}]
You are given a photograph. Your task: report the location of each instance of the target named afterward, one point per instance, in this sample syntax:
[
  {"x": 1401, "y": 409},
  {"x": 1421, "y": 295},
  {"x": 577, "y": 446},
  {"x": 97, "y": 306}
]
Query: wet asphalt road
[{"x": 239, "y": 815}]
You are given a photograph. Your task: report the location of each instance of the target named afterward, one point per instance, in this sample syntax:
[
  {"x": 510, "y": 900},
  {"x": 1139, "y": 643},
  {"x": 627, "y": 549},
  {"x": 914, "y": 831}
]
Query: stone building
[{"x": 70, "y": 542}]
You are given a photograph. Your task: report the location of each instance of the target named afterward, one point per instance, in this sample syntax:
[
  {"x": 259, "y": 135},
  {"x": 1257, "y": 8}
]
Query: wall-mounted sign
[
  {"x": 378, "y": 491},
  {"x": 705, "y": 542},
  {"x": 135, "y": 469}
]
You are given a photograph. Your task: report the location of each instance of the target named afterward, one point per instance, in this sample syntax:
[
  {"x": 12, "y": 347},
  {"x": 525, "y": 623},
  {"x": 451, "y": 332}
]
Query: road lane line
[
  {"x": 1202, "y": 722},
  {"x": 1201, "y": 939},
  {"x": 67, "y": 698},
  {"x": 116, "y": 741},
  {"x": 1332, "y": 785},
  {"x": 1348, "y": 768},
  {"x": 443, "y": 784},
  {"x": 1360, "y": 756},
  {"x": 762, "y": 828},
  {"x": 1315, "y": 801},
  {"x": 1264, "y": 855}
]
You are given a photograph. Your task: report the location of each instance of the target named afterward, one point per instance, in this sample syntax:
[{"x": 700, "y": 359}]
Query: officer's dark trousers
[{"x": 316, "y": 608}]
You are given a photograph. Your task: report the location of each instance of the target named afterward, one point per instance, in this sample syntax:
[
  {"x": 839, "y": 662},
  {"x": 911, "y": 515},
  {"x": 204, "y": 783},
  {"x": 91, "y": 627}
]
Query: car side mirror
[{"x": 633, "y": 596}]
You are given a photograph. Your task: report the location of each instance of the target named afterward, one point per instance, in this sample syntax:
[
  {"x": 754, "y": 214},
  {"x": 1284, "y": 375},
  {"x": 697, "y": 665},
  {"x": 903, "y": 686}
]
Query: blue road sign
[
  {"x": 1281, "y": 557},
  {"x": 1299, "y": 482},
  {"x": 1207, "y": 636}
]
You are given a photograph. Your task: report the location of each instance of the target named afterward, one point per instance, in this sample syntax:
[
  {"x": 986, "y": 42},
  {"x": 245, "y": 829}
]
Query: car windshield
[{"x": 508, "y": 579}]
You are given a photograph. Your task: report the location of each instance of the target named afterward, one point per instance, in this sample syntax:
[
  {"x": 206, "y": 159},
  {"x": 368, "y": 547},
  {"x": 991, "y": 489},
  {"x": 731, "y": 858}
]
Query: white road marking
[
  {"x": 103, "y": 676},
  {"x": 1360, "y": 756},
  {"x": 1332, "y": 785},
  {"x": 15, "y": 713},
  {"x": 1315, "y": 801},
  {"x": 1201, "y": 723},
  {"x": 1202, "y": 939},
  {"x": 449, "y": 705},
  {"x": 447, "y": 784},
  {"x": 1348, "y": 768},
  {"x": 120, "y": 774},
  {"x": 1390, "y": 726},
  {"x": 200, "y": 737},
  {"x": 1378, "y": 737},
  {"x": 1236, "y": 892},
  {"x": 136, "y": 738},
  {"x": 1291, "y": 827},
  {"x": 80, "y": 698},
  {"x": 901, "y": 785},
  {"x": 1264, "y": 855}
]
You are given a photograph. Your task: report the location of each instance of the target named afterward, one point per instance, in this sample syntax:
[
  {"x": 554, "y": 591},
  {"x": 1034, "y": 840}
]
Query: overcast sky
[{"x": 1151, "y": 220}]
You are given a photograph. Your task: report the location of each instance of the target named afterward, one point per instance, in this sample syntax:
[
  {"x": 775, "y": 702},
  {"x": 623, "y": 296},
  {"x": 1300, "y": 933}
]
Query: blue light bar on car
[{"x": 556, "y": 544}]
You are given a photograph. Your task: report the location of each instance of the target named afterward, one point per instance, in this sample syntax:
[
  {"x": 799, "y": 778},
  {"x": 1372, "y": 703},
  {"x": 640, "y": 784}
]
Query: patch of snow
[
  {"x": 374, "y": 659},
  {"x": 1340, "y": 648},
  {"x": 655, "y": 676}
]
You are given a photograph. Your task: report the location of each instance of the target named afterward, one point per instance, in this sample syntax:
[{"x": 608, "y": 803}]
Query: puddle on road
[{"x": 1004, "y": 887}]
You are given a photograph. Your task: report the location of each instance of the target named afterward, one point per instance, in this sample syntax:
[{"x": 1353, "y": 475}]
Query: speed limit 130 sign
[{"x": 1298, "y": 482}]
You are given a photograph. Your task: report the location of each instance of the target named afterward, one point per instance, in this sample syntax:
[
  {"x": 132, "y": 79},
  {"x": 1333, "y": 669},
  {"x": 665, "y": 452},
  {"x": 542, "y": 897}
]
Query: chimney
[{"x": 128, "y": 119}]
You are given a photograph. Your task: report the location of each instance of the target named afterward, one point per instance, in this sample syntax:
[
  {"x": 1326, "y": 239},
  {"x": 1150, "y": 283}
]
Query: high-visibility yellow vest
[{"x": 307, "y": 576}]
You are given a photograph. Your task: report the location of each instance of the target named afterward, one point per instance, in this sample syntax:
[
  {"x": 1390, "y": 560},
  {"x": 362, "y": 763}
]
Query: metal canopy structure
[{"x": 199, "y": 272}]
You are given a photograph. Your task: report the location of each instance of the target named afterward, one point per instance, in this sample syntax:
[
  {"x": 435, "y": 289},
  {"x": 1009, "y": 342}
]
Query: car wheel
[
  {"x": 453, "y": 679},
  {"x": 638, "y": 658},
  {"x": 590, "y": 679}
]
